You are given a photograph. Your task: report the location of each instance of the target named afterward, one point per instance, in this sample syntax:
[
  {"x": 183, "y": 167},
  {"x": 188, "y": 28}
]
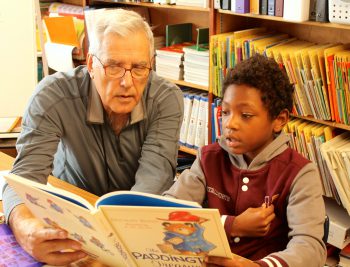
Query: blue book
[
  {"x": 242, "y": 6},
  {"x": 271, "y": 7}
]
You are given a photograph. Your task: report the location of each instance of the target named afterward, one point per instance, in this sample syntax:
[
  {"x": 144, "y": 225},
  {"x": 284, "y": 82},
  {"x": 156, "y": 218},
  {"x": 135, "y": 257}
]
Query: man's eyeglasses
[{"x": 117, "y": 72}]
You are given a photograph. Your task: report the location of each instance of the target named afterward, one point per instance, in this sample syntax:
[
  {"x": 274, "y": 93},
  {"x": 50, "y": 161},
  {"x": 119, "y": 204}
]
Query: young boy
[{"x": 269, "y": 196}]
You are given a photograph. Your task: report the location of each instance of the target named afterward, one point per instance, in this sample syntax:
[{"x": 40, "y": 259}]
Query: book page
[
  {"x": 83, "y": 225},
  {"x": 157, "y": 236}
]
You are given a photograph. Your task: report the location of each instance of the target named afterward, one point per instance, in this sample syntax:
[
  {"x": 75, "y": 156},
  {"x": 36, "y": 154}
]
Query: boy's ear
[{"x": 281, "y": 120}]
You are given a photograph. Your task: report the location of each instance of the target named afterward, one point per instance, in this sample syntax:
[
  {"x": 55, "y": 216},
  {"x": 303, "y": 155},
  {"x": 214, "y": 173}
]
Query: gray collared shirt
[{"x": 64, "y": 132}]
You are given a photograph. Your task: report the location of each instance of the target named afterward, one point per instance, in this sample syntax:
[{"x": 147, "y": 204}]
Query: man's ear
[
  {"x": 152, "y": 61},
  {"x": 89, "y": 61},
  {"x": 281, "y": 120}
]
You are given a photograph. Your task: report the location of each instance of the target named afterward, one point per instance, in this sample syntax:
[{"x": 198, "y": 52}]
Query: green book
[{"x": 178, "y": 33}]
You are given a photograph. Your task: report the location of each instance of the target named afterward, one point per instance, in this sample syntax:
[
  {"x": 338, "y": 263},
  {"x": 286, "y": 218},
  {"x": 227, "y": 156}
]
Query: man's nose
[{"x": 127, "y": 80}]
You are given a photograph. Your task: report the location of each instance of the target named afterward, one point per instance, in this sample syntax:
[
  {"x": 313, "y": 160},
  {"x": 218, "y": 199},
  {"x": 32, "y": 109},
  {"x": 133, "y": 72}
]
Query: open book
[{"x": 127, "y": 228}]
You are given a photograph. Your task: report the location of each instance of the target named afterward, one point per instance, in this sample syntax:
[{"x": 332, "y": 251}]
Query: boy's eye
[
  {"x": 247, "y": 115},
  {"x": 224, "y": 112}
]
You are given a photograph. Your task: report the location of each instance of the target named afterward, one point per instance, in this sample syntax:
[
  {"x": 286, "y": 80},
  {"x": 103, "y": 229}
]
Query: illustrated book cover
[{"x": 127, "y": 228}]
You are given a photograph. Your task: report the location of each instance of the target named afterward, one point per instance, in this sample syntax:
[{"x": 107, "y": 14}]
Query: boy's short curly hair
[{"x": 265, "y": 75}]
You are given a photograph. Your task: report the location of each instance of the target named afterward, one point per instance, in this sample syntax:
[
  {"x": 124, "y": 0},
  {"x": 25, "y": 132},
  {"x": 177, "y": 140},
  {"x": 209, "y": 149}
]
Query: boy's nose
[{"x": 232, "y": 123}]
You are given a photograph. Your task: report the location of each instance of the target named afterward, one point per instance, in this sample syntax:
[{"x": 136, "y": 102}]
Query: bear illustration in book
[{"x": 184, "y": 235}]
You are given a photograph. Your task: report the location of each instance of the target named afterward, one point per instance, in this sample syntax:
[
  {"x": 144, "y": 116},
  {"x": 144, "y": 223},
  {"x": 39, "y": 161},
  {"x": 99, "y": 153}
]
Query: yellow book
[
  {"x": 129, "y": 228},
  {"x": 254, "y": 7},
  {"x": 259, "y": 46},
  {"x": 329, "y": 133},
  {"x": 270, "y": 51}
]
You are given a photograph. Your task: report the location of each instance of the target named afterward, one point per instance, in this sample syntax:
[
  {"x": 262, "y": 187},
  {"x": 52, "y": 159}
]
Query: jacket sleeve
[
  {"x": 190, "y": 185},
  {"x": 157, "y": 164},
  {"x": 36, "y": 145},
  {"x": 306, "y": 215}
]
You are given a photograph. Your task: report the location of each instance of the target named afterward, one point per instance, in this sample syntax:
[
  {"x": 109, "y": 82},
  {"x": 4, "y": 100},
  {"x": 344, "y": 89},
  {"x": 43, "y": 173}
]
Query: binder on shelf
[
  {"x": 188, "y": 102},
  {"x": 263, "y": 7},
  {"x": 193, "y": 122},
  {"x": 279, "y": 8},
  {"x": 242, "y": 6},
  {"x": 254, "y": 7},
  {"x": 312, "y": 11},
  {"x": 321, "y": 11},
  {"x": 226, "y": 4},
  {"x": 233, "y": 5},
  {"x": 199, "y": 139},
  {"x": 178, "y": 33},
  {"x": 271, "y": 7}
]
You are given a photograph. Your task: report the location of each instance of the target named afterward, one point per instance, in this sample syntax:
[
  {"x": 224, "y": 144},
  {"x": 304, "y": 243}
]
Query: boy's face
[{"x": 246, "y": 124}]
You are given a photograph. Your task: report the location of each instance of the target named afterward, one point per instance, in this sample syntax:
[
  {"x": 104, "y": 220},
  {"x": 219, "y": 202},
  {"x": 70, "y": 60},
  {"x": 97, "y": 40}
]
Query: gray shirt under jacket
[{"x": 65, "y": 132}]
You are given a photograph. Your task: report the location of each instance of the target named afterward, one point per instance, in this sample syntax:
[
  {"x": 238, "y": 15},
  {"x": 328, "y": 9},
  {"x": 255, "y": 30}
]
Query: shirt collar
[{"x": 95, "y": 108}]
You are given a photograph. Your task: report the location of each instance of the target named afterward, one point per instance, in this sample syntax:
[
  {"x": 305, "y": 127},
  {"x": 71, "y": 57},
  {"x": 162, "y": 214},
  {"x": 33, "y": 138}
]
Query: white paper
[
  {"x": 2, "y": 181},
  {"x": 59, "y": 56}
]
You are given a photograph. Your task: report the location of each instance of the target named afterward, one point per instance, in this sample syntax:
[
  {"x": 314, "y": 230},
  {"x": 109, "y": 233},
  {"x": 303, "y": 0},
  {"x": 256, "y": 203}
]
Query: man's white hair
[{"x": 118, "y": 21}]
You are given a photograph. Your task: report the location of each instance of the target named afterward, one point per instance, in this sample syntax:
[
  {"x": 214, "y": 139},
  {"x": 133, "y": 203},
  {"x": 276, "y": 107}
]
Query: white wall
[{"x": 18, "y": 62}]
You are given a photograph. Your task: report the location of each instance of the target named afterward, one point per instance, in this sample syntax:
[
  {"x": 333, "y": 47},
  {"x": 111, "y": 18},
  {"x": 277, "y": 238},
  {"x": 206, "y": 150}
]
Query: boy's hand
[
  {"x": 253, "y": 222},
  {"x": 237, "y": 261},
  {"x": 44, "y": 244}
]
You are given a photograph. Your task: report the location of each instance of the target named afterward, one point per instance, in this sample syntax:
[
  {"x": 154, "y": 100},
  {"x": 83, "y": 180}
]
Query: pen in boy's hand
[{"x": 267, "y": 201}]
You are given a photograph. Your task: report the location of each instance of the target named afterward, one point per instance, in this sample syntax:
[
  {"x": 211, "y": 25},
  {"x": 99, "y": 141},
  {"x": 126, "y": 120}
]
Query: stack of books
[
  {"x": 169, "y": 61},
  {"x": 196, "y": 64}
]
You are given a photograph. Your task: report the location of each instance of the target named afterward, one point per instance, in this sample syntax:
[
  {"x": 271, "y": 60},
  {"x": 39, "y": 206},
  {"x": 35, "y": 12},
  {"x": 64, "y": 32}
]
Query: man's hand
[
  {"x": 237, "y": 261},
  {"x": 44, "y": 244},
  {"x": 253, "y": 222}
]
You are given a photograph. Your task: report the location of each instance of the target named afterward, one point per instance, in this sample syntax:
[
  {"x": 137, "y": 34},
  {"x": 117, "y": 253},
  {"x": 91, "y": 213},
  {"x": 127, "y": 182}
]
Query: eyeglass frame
[{"x": 125, "y": 70}]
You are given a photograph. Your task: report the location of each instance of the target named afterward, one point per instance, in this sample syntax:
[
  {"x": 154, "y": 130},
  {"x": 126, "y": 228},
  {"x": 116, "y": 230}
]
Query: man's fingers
[
  {"x": 64, "y": 258},
  {"x": 49, "y": 234}
]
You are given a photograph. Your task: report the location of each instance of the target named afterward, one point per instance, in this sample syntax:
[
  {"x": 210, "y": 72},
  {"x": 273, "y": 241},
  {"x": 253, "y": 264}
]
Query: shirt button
[
  {"x": 236, "y": 239},
  {"x": 244, "y": 188},
  {"x": 245, "y": 180}
]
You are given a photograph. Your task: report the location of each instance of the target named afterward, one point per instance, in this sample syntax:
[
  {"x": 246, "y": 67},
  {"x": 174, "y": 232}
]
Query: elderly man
[{"x": 110, "y": 125}]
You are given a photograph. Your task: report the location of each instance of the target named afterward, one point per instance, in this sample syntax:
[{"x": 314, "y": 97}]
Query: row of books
[
  {"x": 319, "y": 72},
  {"x": 294, "y": 10},
  {"x": 330, "y": 151},
  {"x": 194, "y": 129}
]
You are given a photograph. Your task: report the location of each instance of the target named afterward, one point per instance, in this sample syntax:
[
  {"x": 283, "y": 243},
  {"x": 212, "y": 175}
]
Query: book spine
[
  {"x": 279, "y": 8},
  {"x": 193, "y": 122},
  {"x": 201, "y": 119},
  {"x": 188, "y": 100},
  {"x": 271, "y": 7},
  {"x": 263, "y": 7}
]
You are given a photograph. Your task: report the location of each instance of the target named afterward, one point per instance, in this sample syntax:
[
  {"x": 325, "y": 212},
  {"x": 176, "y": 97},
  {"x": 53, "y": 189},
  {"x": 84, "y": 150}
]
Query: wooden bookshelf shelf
[
  {"x": 329, "y": 123},
  {"x": 151, "y": 5},
  {"x": 193, "y": 85},
  {"x": 188, "y": 150},
  {"x": 281, "y": 19}
]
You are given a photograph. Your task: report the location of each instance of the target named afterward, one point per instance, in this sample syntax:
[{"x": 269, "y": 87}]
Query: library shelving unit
[{"x": 162, "y": 15}]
